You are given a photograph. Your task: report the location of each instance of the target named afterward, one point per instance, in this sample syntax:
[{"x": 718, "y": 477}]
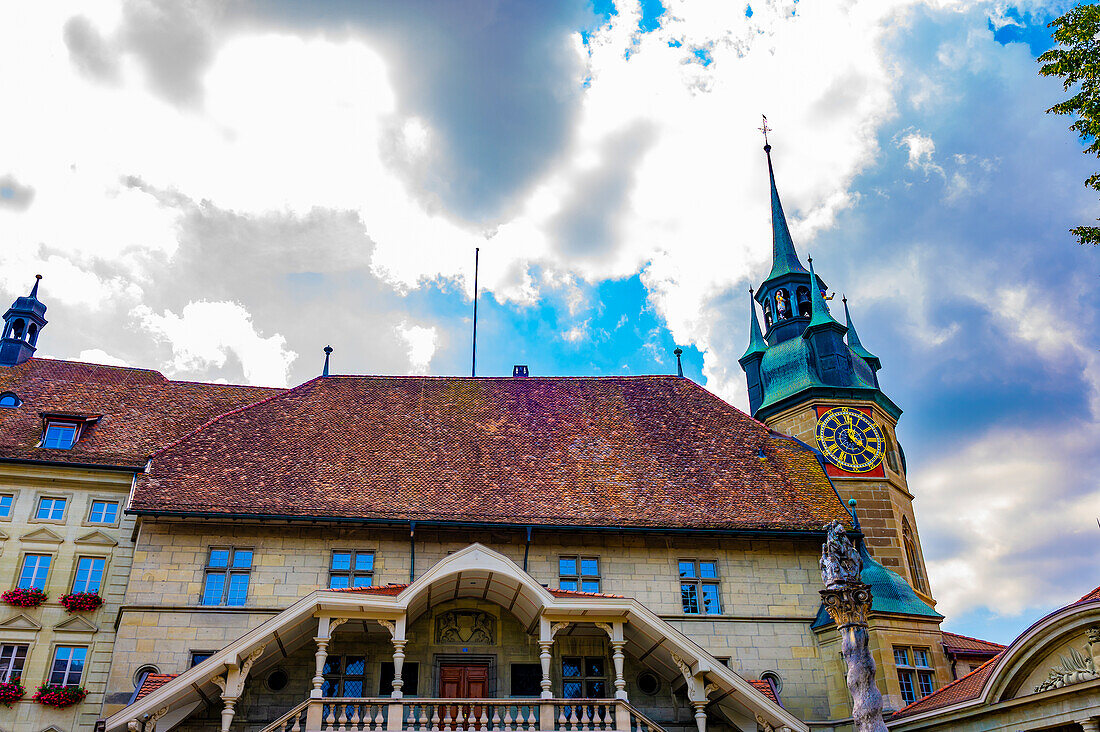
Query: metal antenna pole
[{"x": 473, "y": 365}]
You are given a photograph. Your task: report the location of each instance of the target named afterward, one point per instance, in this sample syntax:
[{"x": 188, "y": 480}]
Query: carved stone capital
[
  {"x": 683, "y": 665},
  {"x": 710, "y": 689},
  {"x": 252, "y": 657},
  {"x": 606, "y": 627},
  {"x": 848, "y": 604},
  {"x": 1094, "y": 634},
  {"x": 388, "y": 625},
  {"x": 334, "y": 623},
  {"x": 219, "y": 681},
  {"x": 558, "y": 626}
]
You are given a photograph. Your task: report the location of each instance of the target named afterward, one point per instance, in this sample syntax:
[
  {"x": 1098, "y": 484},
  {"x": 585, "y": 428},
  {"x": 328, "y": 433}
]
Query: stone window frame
[
  {"x": 921, "y": 679},
  {"x": 6, "y": 669},
  {"x": 912, "y": 556},
  {"x": 228, "y": 571},
  {"x": 24, "y": 553},
  {"x": 191, "y": 657},
  {"x": 352, "y": 573},
  {"x": 14, "y": 493},
  {"x": 585, "y": 679},
  {"x": 39, "y": 496},
  {"x": 104, "y": 498},
  {"x": 105, "y": 556},
  {"x": 53, "y": 661},
  {"x": 580, "y": 576},
  {"x": 698, "y": 581}
]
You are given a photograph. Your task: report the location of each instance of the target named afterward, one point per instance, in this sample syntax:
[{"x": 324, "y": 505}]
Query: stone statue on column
[{"x": 848, "y": 602}]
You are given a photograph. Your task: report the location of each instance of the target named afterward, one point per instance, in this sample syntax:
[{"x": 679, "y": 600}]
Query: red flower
[
  {"x": 76, "y": 602},
  {"x": 58, "y": 696},
  {"x": 11, "y": 692},
  {"x": 24, "y": 597}
]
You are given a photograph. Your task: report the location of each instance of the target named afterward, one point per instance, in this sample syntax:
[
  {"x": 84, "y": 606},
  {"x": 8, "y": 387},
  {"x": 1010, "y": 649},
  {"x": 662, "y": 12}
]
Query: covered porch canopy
[{"x": 474, "y": 572}]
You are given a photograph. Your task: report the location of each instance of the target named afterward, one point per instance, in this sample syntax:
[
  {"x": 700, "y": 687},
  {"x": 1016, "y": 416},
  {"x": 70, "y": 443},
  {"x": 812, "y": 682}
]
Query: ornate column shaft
[
  {"x": 849, "y": 606},
  {"x": 700, "y": 715},
  {"x": 227, "y": 713},
  {"x": 319, "y": 676},
  {"x": 617, "y": 658},
  {"x": 544, "y": 657},
  {"x": 398, "y": 662}
]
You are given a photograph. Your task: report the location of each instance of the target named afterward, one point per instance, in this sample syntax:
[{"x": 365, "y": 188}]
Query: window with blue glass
[
  {"x": 7, "y": 500},
  {"x": 579, "y": 573},
  {"x": 345, "y": 676},
  {"x": 227, "y": 573},
  {"x": 36, "y": 568},
  {"x": 89, "y": 574},
  {"x": 68, "y": 665},
  {"x": 9, "y": 399},
  {"x": 699, "y": 587},
  {"x": 103, "y": 512},
  {"x": 584, "y": 677},
  {"x": 351, "y": 569},
  {"x": 51, "y": 509},
  {"x": 916, "y": 677},
  {"x": 59, "y": 435}
]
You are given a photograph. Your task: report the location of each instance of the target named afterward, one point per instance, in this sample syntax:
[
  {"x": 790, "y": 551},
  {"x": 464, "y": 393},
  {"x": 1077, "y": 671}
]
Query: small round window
[
  {"x": 142, "y": 672},
  {"x": 648, "y": 683},
  {"x": 277, "y": 680},
  {"x": 9, "y": 399},
  {"x": 774, "y": 679}
]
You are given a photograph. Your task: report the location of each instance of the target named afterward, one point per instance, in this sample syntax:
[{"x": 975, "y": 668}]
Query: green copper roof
[
  {"x": 784, "y": 257},
  {"x": 889, "y": 590},
  {"x": 819, "y": 314},
  {"x": 756, "y": 340},
  {"x": 853, "y": 338},
  {"x": 787, "y": 369}
]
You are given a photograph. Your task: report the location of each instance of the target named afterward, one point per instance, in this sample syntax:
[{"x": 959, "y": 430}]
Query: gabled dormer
[{"x": 62, "y": 430}]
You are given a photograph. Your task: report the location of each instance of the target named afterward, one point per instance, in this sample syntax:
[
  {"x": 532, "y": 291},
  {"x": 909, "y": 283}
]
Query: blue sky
[{"x": 219, "y": 191}]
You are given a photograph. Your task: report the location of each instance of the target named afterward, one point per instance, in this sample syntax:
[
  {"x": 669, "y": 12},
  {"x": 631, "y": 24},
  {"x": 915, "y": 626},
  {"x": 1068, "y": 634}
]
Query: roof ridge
[
  {"x": 433, "y": 377},
  {"x": 944, "y": 688},
  {"x": 100, "y": 365},
  {"x": 979, "y": 640},
  {"x": 1089, "y": 595},
  {"x": 209, "y": 422}
]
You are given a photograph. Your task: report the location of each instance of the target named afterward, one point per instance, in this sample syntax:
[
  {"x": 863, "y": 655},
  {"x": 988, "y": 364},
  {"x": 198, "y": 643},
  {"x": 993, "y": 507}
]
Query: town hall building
[{"x": 446, "y": 553}]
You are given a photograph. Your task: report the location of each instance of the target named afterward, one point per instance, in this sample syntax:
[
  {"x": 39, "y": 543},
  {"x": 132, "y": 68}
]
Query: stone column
[
  {"x": 700, "y": 714},
  {"x": 398, "y": 662},
  {"x": 319, "y": 676},
  {"x": 545, "y": 657},
  {"x": 227, "y": 714},
  {"x": 848, "y": 602},
  {"x": 617, "y": 659}
]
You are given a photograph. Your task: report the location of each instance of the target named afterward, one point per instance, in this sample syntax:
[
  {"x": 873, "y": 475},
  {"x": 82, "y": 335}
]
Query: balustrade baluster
[
  {"x": 584, "y": 717},
  {"x": 330, "y": 720},
  {"x": 609, "y": 717},
  {"x": 446, "y": 719},
  {"x": 574, "y": 720},
  {"x": 496, "y": 718},
  {"x": 563, "y": 719},
  {"x": 297, "y": 726},
  {"x": 410, "y": 721},
  {"x": 423, "y": 717},
  {"x": 531, "y": 716}
]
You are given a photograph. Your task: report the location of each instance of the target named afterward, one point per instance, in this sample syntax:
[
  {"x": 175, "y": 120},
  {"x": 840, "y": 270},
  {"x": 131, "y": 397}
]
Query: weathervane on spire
[{"x": 765, "y": 129}]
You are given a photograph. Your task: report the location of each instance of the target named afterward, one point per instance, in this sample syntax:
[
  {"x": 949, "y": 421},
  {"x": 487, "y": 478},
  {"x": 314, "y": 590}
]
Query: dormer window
[
  {"x": 59, "y": 435},
  {"x": 9, "y": 399}
]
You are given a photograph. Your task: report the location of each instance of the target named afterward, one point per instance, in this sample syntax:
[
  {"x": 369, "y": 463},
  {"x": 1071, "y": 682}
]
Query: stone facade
[
  {"x": 768, "y": 590},
  {"x": 42, "y": 629}
]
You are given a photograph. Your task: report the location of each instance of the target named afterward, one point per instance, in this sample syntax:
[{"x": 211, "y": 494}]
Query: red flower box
[
  {"x": 58, "y": 696},
  {"x": 11, "y": 692},
  {"x": 24, "y": 597},
  {"x": 78, "y": 602}
]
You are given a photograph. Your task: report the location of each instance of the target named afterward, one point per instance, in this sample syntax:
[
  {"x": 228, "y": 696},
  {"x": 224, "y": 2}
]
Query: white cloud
[
  {"x": 98, "y": 355},
  {"x": 208, "y": 332},
  {"x": 921, "y": 150},
  {"x": 421, "y": 343}
]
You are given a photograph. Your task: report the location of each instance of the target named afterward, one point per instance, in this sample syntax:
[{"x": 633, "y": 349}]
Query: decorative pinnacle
[
  {"x": 679, "y": 366},
  {"x": 765, "y": 129},
  {"x": 328, "y": 352},
  {"x": 34, "y": 290}
]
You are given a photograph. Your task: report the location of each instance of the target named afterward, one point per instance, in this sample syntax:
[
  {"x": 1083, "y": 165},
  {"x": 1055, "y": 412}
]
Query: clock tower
[{"x": 810, "y": 377}]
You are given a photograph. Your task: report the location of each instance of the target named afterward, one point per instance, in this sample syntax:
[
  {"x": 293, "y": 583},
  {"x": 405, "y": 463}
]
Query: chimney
[{"x": 519, "y": 371}]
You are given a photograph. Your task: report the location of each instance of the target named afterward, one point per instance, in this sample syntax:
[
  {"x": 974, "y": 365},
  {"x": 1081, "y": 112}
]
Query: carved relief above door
[{"x": 465, "y": 626}]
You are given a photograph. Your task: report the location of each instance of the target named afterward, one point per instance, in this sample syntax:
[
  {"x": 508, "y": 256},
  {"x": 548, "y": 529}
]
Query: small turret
[
  {"x": 750, "y": 361},
  {"x": 857, "y": 348},
  {"x": 826, "y": 338},
  {"x": 23, "y": 324}
]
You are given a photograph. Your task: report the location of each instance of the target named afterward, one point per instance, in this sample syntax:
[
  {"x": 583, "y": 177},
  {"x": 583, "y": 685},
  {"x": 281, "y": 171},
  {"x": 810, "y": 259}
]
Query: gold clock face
[{"x": 850, "y": 440}]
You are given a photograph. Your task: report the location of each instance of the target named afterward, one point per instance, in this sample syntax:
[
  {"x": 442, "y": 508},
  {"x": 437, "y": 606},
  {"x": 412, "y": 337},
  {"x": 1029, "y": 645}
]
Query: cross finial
[{"x": 765, "y": 129}]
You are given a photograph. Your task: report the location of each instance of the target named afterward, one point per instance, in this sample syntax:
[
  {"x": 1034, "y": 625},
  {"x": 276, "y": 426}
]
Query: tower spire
[
  {"x": 34, "y": 290},
  {"x": 784, "y": 257},
  {"x": 856, "y": 347}
]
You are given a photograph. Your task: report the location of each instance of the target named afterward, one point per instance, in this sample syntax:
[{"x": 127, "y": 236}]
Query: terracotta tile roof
[
  {"x": 765, "y": 688},
  {"x": 962, "y": 689},
  {"x": 613, "y": 451},
  {"x": 578, "y": 593},
  {"x": 1094, "y": 595},
  {"x": 151, "y": 683},
  {"x": 964, "y": 644},
  {"x": 141, "y": 410}
]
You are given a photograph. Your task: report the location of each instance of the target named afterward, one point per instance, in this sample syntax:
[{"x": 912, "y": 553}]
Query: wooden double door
[{"x": 464, "y": 681}]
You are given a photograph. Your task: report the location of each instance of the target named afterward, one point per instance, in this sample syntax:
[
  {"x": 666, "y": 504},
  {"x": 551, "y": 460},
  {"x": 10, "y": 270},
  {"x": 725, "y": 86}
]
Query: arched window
[
  {"x": 17, "y": 329},
  {"x": 912, "y": 557},
  {"x": 9, "y": 399},
  {"x": 767, "y": 313},
  {"x": 32, "y": 333},
  {"x": 782, "y": 304},
  {"x": 891, "y": 453},
  {"x": 803, "y": 295}
]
